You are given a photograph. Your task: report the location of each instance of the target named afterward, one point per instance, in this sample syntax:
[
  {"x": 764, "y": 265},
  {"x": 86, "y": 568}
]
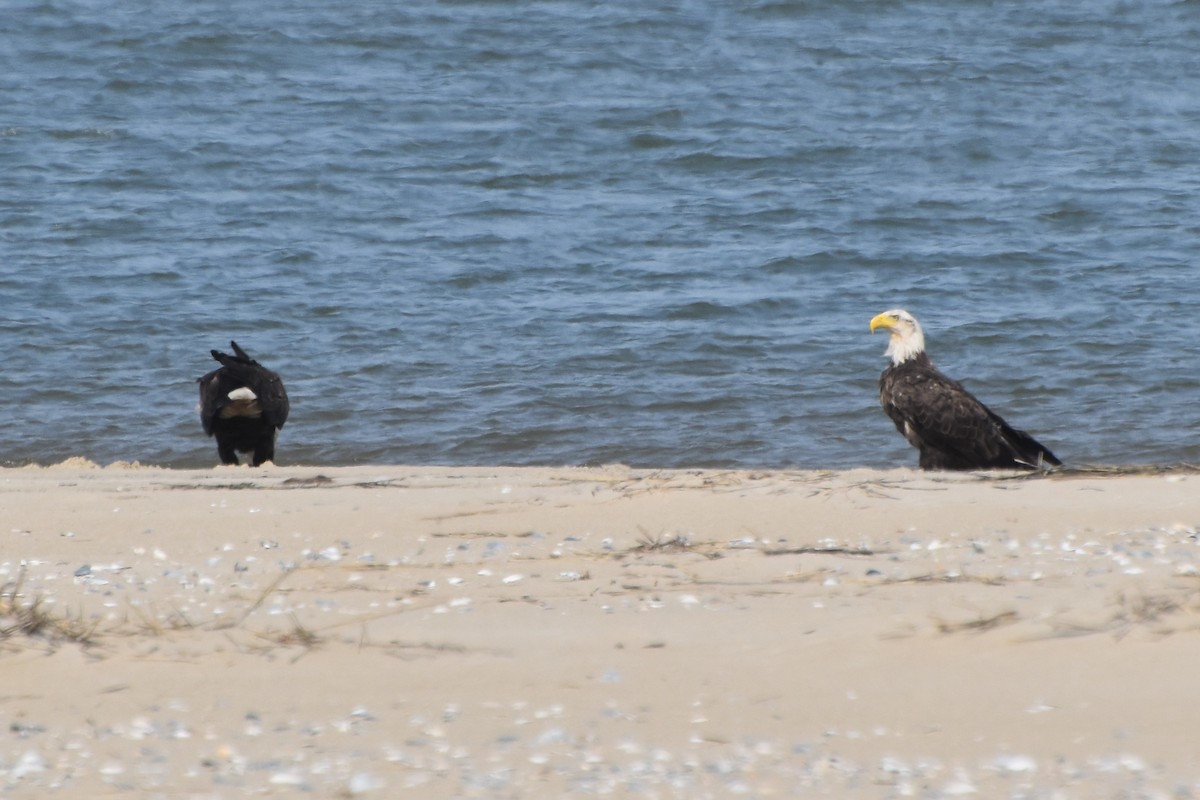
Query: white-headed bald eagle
[
  {"x": 945, "y": 422},
  {"x": 243, "y": 404}
]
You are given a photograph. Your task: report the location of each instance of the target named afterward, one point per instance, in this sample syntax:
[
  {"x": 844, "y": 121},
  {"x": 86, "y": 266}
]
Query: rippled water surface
[{"x": 575, "y": 232}]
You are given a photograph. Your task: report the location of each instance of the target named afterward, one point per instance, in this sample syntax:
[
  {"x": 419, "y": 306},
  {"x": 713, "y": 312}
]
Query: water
[{"x": 572, "y": 233}]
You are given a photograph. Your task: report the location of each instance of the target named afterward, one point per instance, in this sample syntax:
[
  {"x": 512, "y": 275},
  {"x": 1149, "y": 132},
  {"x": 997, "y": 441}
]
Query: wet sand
[{"x": 522, "y": 633}]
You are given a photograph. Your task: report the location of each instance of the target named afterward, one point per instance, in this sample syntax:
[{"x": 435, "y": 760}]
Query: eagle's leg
[
  {"x": 227, "y": 454},
  {"x": 265, "y": 450}
]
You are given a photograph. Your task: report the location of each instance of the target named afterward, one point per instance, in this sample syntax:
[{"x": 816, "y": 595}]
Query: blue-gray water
[{"x": 578, "y": 232}]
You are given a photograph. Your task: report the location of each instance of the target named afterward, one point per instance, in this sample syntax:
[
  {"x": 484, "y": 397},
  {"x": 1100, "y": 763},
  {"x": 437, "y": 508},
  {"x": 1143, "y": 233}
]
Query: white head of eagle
[{"x": 907, "y": 339}]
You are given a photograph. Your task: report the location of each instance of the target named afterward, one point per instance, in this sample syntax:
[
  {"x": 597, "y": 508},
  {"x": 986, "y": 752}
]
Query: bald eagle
[
  {"x": 243, "y": 404},
  {"x": 950, "y": 428}
]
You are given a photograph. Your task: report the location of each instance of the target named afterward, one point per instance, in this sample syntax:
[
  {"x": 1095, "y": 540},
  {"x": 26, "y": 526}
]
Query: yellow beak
[{"x": 882, "y": 321}]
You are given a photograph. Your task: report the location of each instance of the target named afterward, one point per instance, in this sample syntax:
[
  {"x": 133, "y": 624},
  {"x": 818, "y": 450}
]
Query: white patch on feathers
[{"x": 245, "y": 404}]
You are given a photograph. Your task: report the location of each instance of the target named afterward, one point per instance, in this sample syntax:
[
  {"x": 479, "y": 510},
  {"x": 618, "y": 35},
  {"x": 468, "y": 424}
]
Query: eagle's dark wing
[
  {"x": 950, "y": 427},
  {"x": 272, "y": 397},
  {"x": 213, "y": 394}
]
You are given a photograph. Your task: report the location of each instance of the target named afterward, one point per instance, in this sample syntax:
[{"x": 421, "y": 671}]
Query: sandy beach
[{"x": 529, "y": 633}]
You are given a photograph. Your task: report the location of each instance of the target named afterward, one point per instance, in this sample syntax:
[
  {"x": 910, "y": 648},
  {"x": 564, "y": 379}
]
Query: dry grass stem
[{"x": 979, "y": 625}]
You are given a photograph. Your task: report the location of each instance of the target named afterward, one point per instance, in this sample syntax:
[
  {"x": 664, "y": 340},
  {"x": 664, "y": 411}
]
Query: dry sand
[{"x": 535, "y": 633}]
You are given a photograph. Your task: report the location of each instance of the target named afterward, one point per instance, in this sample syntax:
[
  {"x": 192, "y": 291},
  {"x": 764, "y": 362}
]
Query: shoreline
[{"x": 530, "y": 631}]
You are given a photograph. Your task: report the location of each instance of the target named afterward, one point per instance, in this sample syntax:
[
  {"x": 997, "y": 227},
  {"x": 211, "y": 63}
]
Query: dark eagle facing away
[
  {"x": 950, "y": 428},
  {"x": 244, "y": 405}
]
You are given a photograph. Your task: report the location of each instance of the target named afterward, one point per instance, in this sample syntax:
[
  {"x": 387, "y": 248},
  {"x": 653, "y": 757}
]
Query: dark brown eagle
[
  {"x": 946, "y": 423},
  {"x": 243, "y": 404}
]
